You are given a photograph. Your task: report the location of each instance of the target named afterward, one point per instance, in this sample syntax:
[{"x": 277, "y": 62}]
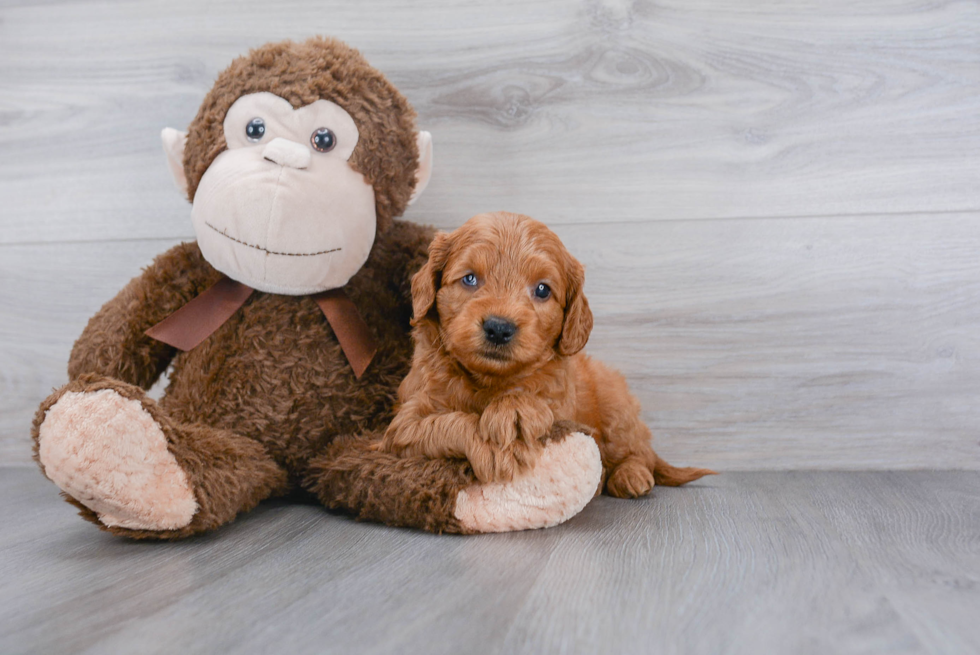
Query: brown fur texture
[
  {"x": 468, "y": 395},
  {"x": 258, "y": 409},
  {"x": 386, "y": 152},
  {"x": 229, "y": 473},
  {"x": 248, "y": 409},
  {"x": 348, "y": 474}
]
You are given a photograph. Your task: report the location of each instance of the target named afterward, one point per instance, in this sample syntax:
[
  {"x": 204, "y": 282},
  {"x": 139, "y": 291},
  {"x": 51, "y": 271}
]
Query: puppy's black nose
[{"x": 498, "y": 331}]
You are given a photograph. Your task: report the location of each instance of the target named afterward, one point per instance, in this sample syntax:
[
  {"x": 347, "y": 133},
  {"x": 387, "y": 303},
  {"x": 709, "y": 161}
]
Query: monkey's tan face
[{"x": 281, "y": 210}]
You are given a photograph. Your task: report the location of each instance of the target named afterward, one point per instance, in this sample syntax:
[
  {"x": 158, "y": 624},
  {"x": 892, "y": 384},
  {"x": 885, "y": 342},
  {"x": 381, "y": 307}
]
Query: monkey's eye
[
  {"x": 469, "y": 280},
  {"x": 542, "y": 291},
  {"x": 323, "y": 140},
  {"x": 255, "y": 130}
]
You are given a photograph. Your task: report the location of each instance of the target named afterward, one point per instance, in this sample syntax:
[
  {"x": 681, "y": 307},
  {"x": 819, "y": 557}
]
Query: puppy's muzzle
[{"x": 498, "y": 331}]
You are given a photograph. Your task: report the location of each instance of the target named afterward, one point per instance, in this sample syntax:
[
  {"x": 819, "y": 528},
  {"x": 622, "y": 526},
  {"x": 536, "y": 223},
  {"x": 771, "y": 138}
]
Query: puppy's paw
[
  {"x": 534, "y": 421},
  {"x": 631, "y": 479},
  {"x": 482, "y": 458},
  {"x": 525, "y": 455},
  {"x": 499, "y": 423},
  {"x": 387, "y": 444},
  {"x": 492, "y": 464},
  {"x": 509, "y": 419},
  {"x": 399, "y": 439}
]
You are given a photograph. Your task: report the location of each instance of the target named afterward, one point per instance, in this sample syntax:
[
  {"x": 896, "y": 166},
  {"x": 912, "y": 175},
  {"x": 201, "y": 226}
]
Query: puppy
[{"x": 500, "y": 318}]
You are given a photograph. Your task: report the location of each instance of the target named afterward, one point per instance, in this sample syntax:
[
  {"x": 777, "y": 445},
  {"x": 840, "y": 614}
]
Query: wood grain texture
[
  {"x": 807, "y": 563},
  {"x": 765, "y": 344},
  {"x": 585, "y": 110},
  {"x": 821, "y": 311}
]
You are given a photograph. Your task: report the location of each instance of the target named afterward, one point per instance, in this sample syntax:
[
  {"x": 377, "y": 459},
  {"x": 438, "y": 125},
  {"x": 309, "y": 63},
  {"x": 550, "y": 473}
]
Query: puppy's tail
[{"x": 670, "y": 476}]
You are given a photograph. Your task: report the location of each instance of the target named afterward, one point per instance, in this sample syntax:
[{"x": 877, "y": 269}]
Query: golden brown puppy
[{"x": 499, "y": 319}]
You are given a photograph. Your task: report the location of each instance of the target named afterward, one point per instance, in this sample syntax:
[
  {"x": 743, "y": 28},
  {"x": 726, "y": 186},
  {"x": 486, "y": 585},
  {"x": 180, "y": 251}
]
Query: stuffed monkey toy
[{"x": 285, "y": 327}]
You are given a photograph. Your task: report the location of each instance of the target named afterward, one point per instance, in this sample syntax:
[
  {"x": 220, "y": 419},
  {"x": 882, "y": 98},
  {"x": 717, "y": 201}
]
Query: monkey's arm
[
  {"x": 113, "y": 343},
  {"x": 443, "y": 495}
]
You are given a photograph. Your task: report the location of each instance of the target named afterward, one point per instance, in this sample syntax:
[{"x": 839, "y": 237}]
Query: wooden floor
[
  {"x": 815, "y": 562},
  {"x": 779, "y": 211}
]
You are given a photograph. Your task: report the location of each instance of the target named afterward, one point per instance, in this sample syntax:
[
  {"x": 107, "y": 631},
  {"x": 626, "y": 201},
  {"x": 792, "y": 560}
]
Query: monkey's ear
[
  {"x": 424, "y": 171},
  {"x": 173, "y": 148},
  {"x": 425, "y": 283},
  {"x": 578, "y": 317}
]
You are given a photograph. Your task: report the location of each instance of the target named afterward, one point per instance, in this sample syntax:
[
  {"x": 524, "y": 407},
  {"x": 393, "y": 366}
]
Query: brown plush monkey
[{"x": 286, "y": 325}]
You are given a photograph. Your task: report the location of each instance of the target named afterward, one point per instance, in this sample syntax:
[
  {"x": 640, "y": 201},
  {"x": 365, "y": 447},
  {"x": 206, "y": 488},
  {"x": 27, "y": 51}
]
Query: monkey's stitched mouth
[{"x": 271, "y": 252}]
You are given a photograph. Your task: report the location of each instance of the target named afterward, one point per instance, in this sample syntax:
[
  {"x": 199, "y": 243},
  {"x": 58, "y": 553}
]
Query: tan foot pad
[
  {"x": 108, "y": 453},
  {"x": 560, "y": 486}
]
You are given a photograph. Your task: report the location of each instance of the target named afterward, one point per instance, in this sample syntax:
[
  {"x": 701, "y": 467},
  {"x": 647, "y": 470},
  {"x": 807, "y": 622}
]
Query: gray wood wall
[{"x": 778, "y": 204}]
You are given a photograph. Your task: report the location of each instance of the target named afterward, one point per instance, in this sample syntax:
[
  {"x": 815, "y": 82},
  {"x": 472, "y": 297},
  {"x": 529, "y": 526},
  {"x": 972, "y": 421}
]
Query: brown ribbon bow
[{"x": 197, "y": 320}]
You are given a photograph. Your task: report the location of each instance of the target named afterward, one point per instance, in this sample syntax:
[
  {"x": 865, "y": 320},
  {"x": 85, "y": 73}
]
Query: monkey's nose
[
  {"x": 287, "y": 153},
  {"x": 498, "y": 331}
]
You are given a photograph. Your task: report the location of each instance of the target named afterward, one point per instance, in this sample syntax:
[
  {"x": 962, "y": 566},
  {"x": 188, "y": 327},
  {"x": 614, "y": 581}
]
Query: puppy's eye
[
  {"x": 255, "y": 130},
  {"x": 468, "y": 280},
  {"x": 542, "y": 291},
  {"x": 323, "y": 140}
]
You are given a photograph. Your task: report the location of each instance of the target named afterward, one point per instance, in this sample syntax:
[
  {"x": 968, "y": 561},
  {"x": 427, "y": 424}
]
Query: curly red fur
[{"x": 467, "y": 396}]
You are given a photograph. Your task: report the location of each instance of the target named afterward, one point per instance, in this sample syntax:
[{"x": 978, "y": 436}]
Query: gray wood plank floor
[
  {"x": 778, "y": 208},
  {"x": 774, "y": 562}
]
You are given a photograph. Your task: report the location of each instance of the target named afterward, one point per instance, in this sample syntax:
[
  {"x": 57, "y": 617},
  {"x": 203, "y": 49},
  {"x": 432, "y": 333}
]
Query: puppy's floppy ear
[
  {"x": 578, "y": 317},
  {"x": 426, "y": 282}
]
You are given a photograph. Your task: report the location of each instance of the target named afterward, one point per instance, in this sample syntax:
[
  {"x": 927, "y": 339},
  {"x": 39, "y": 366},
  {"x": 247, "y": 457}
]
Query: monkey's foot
[
  {"x": 108, "y": 453},
  {"x": 560, "y": 485}
]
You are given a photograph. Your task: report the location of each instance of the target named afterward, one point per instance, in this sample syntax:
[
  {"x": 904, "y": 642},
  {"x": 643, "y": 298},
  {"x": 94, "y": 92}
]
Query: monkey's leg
[
  {"x": 118, "y": 457},
  {"x": 443, "y": 495}
]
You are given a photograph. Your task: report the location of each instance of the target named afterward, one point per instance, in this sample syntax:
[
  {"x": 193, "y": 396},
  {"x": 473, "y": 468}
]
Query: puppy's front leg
[
  {"x": 420, "y": 430},
  {"x": 512, "y": 426}
]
